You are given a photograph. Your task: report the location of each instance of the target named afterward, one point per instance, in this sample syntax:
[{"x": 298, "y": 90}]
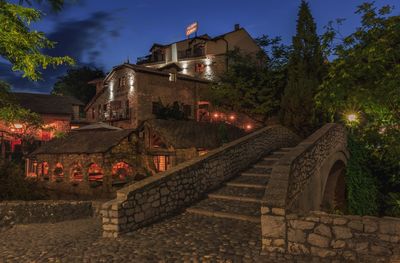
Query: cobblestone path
[{"x": 222, "y": 228}]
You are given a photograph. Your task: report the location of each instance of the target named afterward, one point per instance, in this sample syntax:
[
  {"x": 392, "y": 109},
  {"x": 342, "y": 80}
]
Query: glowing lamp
[
  {"x": 352, "y": 117},
  {"x": 18, "y": 125},
  {"x": 215, "y": 115},
  {"x": 249, "y": 127},
  {"x": 232, "y": 117}
]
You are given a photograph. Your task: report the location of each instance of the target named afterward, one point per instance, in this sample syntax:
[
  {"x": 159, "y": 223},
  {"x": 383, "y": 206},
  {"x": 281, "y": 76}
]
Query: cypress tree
[{"x": 305, "y": 72}]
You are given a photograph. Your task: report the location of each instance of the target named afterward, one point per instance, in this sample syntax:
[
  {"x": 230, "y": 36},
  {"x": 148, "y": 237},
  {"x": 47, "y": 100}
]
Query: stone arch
[
  {"x": 95, "y": 173},
  {"x": 76, "y": 173},
  {"x": 333, "y": 190},
  {"x": 58, "y": 171},
  {"x": 121, "y": 172}
]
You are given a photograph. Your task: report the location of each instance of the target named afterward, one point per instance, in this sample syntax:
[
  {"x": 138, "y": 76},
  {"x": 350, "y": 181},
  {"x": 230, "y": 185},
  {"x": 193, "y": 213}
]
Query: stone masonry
[
  {"x": 27, "y": 212},
  {"x": 345, "y": 238},
  {"x": 162, "y": 195}
]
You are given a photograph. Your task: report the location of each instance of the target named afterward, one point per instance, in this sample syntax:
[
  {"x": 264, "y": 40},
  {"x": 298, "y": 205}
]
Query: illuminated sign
[{"x": 191, "y": 28}]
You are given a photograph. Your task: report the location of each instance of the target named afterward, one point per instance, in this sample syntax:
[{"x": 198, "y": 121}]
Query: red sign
[{"x": 191, "y": 28}]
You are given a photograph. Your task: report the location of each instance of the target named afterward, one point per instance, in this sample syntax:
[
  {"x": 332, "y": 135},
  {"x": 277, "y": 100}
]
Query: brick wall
[{"x": 166, "y": 193}]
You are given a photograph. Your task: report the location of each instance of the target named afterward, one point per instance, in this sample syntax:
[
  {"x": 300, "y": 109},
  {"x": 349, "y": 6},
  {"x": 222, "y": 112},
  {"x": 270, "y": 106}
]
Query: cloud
[{"x": 80, "y": 39}]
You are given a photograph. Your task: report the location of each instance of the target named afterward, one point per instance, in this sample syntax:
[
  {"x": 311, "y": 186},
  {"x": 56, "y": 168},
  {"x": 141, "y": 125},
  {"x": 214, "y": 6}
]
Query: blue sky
[{"x": 105, "y": 33}]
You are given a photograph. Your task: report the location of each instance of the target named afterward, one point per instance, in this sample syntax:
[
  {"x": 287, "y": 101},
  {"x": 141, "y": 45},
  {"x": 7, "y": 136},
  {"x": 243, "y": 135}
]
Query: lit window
[
  {"x": 76, "y": 173},
  {"x": 161, "y": 162},
  {"x": 120, "y": 172},
  {"x": 95, "y": 173},
  {"x": 172, "y": 77}
]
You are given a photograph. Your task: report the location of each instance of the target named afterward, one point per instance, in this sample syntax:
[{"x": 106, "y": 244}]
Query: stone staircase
[{"x": 240, "y": 198}]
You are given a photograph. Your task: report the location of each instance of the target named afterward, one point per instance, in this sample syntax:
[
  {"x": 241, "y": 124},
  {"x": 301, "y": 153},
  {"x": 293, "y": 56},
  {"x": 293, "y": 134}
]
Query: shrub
[
  {"x": 14, "y": 185},
  {"x": 362, "y": 187}
]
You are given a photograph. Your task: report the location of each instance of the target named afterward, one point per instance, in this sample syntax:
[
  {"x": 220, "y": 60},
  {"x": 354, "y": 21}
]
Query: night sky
[{"x": 104, "y": 33}]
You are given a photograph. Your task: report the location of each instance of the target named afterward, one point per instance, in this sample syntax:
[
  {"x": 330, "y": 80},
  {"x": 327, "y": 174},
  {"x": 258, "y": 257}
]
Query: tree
[
  {"x": 20, "y": 45},
  {"x": 364, "y": 80},
  {"x": 305, "y": 73},
  {"x": 75, "y": 83},
  {"x": 253, "y": 84}
]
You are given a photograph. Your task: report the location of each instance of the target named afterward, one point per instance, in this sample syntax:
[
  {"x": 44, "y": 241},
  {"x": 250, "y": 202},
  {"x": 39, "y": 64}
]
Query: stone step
[
  {"x": 234, "y": 198},
  {"x": 256, "y": 186},
  {"x": 266, "y": 164},
  {"x": 245, "y": 192},
  {"x": 227, "y": 209},
  {"x": 261, "y": 172},
  {"x": 286, "y": 149},
  {"x": 253, "y": 180}
]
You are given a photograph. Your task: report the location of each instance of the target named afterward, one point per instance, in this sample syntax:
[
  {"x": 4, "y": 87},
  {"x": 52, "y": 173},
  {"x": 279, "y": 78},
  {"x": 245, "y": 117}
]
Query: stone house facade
[
  {"x": 98, "y": 159},
  {"x": 130, "y": 93},
  {"x": 201, "y": 56}
]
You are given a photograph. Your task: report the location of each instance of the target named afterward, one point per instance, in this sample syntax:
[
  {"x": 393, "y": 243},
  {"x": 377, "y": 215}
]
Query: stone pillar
[{"x": 274, "y": 229}]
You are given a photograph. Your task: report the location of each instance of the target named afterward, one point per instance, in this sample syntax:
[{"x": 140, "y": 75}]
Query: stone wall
[
  {"x": 26, "y": 212},
  {"x": 166, "y": 193},
  {"x": 344, "y": 238},
  {"x": 297, "y": 183}
]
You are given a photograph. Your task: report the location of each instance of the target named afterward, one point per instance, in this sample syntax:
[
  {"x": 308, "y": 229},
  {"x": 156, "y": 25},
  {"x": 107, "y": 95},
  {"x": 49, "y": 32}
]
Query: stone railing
[
  {"x": 166, "y": 193},
  {"x": 344, "y": 238},
  {"x": 289, "y": 188},
  {"x": 27, "y": 212}
]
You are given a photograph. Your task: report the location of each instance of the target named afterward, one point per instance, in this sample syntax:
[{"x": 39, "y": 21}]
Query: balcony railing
[{"x": 149, "y": 59}]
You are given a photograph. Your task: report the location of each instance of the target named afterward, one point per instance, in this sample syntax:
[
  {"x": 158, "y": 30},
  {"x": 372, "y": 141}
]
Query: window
[
  {"x": 32, "y": 168},
  {"x": 58, "y": 172},
  {"x": 127, "y": 109},
  {"x": 120, "y": 172},
  {"x": 156, "y": 106},
  {"x": 45, "y": 170},
  {"x": 122, "y": 82},
  {"x": 199, "y": 67},
  {"x": 77, "y": 173},
  {"x": 187, "y": 110},
  {"x": 95, "y": 173},
  {"x": 172, "y": 77},
  {"x": 161, "y": 162}
]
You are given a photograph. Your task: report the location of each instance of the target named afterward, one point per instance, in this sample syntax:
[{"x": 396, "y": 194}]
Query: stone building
[
  {"x": 130, "y": 94},
  {"x": 59, "y": 114},
  {"x": 86, "y": 162},
  {"x": 97, "y": 159},
  {"x": 201, "y": 56}
]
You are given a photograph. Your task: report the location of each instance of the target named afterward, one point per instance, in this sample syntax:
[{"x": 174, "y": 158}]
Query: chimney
[{"x": 237, "y": 27}]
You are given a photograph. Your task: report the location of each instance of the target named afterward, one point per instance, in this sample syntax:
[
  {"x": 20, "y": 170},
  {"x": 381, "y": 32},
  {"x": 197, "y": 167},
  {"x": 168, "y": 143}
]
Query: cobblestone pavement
[{"x": 184, "y": 238}]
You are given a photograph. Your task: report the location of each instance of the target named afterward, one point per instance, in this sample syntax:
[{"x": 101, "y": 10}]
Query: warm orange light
[
  {"x": 216, "y": 115},
  {"x": 249, "y": 127},
  {"x": 18, "y": 125},
  {"x": 232, "y": 117}
]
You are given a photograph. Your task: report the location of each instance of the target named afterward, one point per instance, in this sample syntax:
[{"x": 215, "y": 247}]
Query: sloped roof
[
  {"x": 45, "y": 103},
  {"x": 143, "y": 69},
  {"x": 187, "y": 134},
  {"x": 84, "y": 142},
  {"x": 97, "y": 126}
]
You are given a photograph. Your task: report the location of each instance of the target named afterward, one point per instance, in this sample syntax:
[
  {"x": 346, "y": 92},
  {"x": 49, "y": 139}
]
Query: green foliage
[
  {"x": 365, "y": 78},
  {"x": 393, "y": 202},
  {"x": 362, "y": 189},
  {"x": 170, "y": 112},
  {"x": 253, "y": 84},
  {"x": 305, "y": 73},
  {"x": 20, "y": 45},
  {"x": 15, "y": 186},
  {"x": 75, "y": 83}
]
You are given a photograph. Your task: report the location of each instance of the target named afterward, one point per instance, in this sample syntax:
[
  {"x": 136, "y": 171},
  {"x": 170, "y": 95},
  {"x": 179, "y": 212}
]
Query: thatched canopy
[
  {"x": 187, "y": 134},
  {"x": 84, "y": 142}
]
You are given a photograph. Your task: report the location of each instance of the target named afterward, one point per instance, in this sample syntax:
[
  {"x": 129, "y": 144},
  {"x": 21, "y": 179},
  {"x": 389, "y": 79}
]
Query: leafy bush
[
  {"x": 14, "y": 185},
  {"x": 362, "y": 187}
]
